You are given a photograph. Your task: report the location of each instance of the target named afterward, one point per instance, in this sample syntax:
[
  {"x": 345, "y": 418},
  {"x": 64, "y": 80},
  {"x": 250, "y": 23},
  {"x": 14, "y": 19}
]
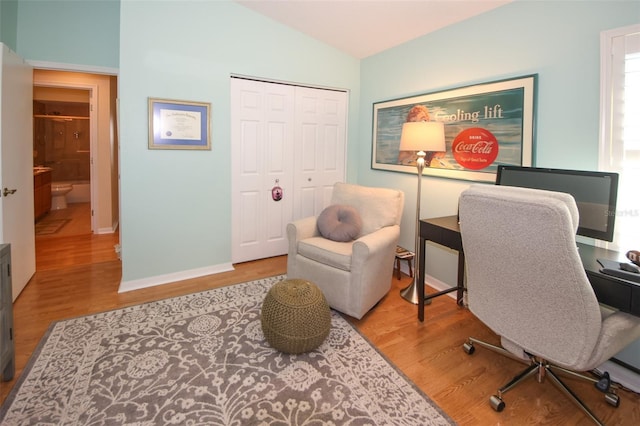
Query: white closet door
[
  {"x": 293, "y": 134},
  {"x": 262, "y": 117},
  {"x": 320, "y": 134}
]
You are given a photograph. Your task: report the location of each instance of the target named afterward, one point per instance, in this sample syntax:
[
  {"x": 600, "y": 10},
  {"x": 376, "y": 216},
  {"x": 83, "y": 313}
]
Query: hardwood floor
[{"x": 79, "y": 274}]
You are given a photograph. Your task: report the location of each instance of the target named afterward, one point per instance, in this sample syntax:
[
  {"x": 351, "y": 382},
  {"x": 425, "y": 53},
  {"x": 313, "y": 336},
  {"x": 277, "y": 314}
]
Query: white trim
[
  {"x": 288, "y": 83},
  {"x": 439, "y": 285},
  {"x": 606, "y": 44},
  {"x": 606, "y": 145},
  {"x": 108, "y": 230},
  {"x": 429, "y": 280},
  {"x": 173, "y": 277},
  {"x": 619, "y": 374},
  {"x": 57, "y": 66},
  {"x": 605, "y": 88}
]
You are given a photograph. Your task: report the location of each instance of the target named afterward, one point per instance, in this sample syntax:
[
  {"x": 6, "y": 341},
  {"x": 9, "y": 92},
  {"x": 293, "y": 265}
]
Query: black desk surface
[
  {"x": 612, "y": 291},
  {"x": 615, "y": 292}
]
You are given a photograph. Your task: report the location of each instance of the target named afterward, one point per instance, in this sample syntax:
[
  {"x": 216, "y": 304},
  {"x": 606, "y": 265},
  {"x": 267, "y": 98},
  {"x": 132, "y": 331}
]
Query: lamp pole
[{"x": 410, "y": 293}]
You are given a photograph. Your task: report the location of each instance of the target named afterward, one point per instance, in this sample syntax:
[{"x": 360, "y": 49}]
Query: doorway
[
  {"x": 75, "y": 136},
  {"x": 62, "y": 161}
]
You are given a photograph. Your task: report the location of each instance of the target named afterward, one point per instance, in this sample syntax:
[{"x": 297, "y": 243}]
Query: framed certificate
[{"x": 179, "y": 124}]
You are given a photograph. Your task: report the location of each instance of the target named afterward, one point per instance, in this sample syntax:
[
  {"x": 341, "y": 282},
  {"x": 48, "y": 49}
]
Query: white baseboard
[
  {"x": 430, "y": 281},
  {"x": 173, "y": 277},
  {"x": 102, "y": 231},
  {"x": 439, "y": 285},
  {"x": 624, "y": 376}
]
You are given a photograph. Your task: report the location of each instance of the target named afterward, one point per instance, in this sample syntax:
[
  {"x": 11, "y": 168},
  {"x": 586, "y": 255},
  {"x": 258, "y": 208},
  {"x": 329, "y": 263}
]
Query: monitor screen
[{"x": 595, "y": 193}]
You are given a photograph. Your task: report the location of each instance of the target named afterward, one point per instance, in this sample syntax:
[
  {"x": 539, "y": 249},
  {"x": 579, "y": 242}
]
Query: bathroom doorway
[
  {"x": 76, "y": 142},
  {"x": 62, "y": 160}
]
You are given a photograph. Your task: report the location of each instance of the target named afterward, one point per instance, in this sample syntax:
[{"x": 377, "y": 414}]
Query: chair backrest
[
  {"x": 525, "y": 279},
  {"x": 378, "y": 207}
]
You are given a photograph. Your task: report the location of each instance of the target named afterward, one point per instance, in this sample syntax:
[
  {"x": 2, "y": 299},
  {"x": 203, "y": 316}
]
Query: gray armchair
[
  {"x": 353, "y": 275},
  {"x": 526, "y": 282}
]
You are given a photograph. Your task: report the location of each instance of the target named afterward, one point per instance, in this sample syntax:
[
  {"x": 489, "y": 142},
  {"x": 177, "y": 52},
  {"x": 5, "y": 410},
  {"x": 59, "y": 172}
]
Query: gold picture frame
[{"x": 179, "y": 124}]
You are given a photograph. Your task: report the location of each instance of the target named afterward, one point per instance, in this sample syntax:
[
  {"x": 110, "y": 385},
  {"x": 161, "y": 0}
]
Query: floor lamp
[{"x": 420, "y": 136}]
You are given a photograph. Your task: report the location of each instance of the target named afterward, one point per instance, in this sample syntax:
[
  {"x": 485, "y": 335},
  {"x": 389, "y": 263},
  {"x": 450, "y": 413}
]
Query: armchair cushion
[
  {"x": 332, "y": 253},
  {"x": 340, "y": 223}
]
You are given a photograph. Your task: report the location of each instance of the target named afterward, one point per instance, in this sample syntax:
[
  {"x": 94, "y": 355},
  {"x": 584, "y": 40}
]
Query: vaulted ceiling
[{"x": 363, "y": 28}]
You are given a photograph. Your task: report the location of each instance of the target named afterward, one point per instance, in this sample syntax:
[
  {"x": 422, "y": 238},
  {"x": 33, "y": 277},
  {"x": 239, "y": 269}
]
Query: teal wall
[
  {"x": 9, "y": 23},
  {"x": 176, "y": 205},
  {"x": 559, "y": 40},
  {"x": 83, "y": 32}
]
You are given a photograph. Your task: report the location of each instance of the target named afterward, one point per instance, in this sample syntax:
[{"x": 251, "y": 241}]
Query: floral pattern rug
[{"x": 202, "y": 359}]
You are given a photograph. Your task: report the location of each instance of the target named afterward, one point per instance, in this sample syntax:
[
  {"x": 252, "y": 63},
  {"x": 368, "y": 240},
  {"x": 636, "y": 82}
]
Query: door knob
[{"x": 8, "y": 191}]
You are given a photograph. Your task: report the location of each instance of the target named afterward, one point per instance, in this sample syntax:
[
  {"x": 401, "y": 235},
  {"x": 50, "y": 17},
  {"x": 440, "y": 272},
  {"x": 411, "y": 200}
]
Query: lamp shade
[{"x": 422, "y": 136}]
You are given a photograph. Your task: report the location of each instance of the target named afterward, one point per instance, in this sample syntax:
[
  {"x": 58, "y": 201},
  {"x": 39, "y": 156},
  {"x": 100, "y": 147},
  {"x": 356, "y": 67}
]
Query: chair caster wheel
[
  {"x": 496, "y": 403},
  {"x": 468, "y": 348},
  {"x": 612, "y": 399},
  {"x": 604, "y": 383}
]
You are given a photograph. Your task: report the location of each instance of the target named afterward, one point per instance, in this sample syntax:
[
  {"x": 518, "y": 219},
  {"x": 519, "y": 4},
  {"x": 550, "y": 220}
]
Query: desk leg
[
  {"x": 420, "y": 274},
  {"x": 460, "y": 293}
]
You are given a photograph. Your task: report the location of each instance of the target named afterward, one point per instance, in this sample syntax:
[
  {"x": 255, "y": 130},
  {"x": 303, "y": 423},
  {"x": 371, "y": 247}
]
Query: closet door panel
[
  {"x": 321, "y": 133},
  {"x": 307, "y": 148},
  {"x": 262, "y": 136},
  {"x": 330, "y": 147},
  {"x": 307, "y": 200},
  {"x": 249, "y": 232}
]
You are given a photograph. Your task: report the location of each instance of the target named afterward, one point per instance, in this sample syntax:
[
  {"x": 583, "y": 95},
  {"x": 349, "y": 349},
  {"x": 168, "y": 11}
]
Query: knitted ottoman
[{"x": 295, "y": 316}]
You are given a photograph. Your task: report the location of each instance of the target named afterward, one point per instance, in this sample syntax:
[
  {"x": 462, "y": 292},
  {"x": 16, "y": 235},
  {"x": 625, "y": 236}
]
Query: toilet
[{"x": 59, "y": 193}]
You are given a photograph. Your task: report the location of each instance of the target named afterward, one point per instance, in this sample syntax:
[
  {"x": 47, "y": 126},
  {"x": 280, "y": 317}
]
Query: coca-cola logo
[{"x": 475, "y": 148}]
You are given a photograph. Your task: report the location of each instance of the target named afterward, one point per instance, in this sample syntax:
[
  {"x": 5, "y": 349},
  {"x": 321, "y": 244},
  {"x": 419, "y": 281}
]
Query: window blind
[{"x": 620, "y": 139}]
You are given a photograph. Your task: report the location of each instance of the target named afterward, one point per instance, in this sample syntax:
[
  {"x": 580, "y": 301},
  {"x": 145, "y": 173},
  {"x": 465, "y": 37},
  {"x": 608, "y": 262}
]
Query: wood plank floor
[{"x": 79, "y": 274}]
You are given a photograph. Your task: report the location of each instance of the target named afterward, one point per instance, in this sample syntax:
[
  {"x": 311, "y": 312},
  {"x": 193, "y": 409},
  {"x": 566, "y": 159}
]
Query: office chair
[
  {"x": 354, "y": 274},
  {"x": 526, "y": 282}
]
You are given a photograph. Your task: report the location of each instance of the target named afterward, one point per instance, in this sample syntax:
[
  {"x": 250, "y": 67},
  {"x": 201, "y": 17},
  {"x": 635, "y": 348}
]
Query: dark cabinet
[
  {"x": 7, "y": 351},
  {"x": 41, "y": 193}
]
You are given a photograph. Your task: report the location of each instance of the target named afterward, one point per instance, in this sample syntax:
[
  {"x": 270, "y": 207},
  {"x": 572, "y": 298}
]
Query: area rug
[
  {"x": 202, "y": 359},
  {"x": 50, "y": 226}
]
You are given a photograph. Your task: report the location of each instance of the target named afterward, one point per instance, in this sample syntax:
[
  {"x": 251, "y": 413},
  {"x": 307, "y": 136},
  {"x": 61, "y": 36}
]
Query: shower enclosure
[{"x": 61, "y": 140}]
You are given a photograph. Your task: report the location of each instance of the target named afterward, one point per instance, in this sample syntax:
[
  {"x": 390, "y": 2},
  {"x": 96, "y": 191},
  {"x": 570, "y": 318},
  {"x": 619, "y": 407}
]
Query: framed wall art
[
  {"x": 485, "y": 125},
  {"x": 179, "y": 124}
]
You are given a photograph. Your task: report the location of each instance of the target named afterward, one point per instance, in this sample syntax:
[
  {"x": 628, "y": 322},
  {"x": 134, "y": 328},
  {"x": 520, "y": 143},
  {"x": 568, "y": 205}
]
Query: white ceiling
[{"x": 363, "y": 28}]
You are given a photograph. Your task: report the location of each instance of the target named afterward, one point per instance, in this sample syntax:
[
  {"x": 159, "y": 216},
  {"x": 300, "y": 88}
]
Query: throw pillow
[{"x": 340, "y": 223}]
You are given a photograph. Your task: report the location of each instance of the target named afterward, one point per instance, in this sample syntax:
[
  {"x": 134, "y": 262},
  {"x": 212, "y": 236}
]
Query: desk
[
  {"x": 615, "y": 292},
  {"x": 446, "y": 232}
]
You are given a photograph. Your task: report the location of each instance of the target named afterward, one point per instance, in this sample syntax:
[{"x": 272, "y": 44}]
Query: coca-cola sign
[
  {"x": 475, "y": 148},
  {"x": 485, "y": 125}
]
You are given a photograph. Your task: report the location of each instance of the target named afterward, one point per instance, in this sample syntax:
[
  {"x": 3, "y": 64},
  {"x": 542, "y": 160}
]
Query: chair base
[{"x": 542, "y": 368}]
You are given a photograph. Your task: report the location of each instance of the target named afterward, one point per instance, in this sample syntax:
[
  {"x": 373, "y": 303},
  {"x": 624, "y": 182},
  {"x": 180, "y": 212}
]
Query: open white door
[{"x": 16, "y": 166}]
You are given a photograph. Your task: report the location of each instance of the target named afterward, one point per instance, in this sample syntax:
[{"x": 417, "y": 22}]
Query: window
[{"x": 620, "y": 127}]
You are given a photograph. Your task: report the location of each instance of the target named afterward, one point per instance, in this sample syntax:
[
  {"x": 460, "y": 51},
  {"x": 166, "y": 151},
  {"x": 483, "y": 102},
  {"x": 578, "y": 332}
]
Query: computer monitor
[{"x": 595, "y": 193}]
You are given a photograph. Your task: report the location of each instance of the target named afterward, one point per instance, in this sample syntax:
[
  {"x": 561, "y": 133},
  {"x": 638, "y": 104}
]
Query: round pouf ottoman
[{"x": 295, "y": 316}]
